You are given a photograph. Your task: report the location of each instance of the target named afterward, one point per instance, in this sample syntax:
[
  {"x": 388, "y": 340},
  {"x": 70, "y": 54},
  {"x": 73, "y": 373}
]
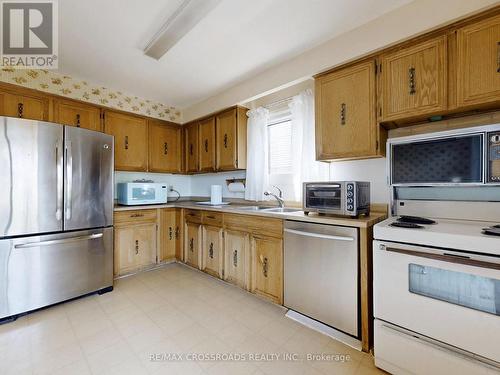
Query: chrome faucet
[{"x": 279, "y": 197}]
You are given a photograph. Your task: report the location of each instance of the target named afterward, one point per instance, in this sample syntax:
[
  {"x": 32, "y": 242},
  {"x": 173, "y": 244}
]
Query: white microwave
[{"x": 134, "y": 193}]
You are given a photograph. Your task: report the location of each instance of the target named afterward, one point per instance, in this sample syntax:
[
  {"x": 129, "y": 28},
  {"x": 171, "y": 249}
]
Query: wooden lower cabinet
[
  {"x": 237, "y": 258},
  {"x": 267, "y": 267},
  {"x": 212, "y": 251},
  {"x": 135, "y": 247},
  {"x": 179, "y": 231},
  {"x": 168, "y": 231},
  {"x": 192, "y": 244}
]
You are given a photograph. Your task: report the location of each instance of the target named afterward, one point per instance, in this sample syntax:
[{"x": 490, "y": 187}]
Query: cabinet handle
[
  {"x": 126, "y": 142},
  {"x": 77, "y": 120},
  {"x": 177, "y": 233},
  {"x": 165, "y": 148},
  {"x": 191, "y": 244},
  {"x": 211, "y": 217},
  {"x": 190, "y": 149},
  {"x": 170, "y": 233},
  {"x": 136, "y": 247},
  {"x": 411, "y": 80},
  {"x": 211, "y": 250},
  {"x": 498, "y": 57},
  {"x": 137, "y": 215},
  {"x": 235, "y": 258},
  {"x": 20, "y": 109},
  {"x": 206, "y": 145},
  {"x": 265, "y": 264},
  {"x": 342, "y": 113},
  {"x": 225, "y": 140}
]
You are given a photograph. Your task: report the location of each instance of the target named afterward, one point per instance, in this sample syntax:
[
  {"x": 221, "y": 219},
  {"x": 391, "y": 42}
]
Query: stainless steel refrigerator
[{"x": 56, "y": 214}]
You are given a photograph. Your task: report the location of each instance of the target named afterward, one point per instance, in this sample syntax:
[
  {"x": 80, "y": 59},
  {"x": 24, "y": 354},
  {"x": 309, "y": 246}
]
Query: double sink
[{"x": 264, "y": 209}]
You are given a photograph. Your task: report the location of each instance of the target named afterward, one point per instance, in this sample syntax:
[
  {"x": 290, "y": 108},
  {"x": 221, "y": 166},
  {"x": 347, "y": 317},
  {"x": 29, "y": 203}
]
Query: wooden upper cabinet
[
  {"x": 32, "y": 107},
  {"x": 478, "y": 68},
  {"x": 165, "y": 146},
  {"x": 77, "y": 114},
  {"x": 191, "y": 147},
  {"x": 231, "y": 139},
  {"x": 131, "y": 140},
  {"x": 207, "y": 144},
  {"x": 346, "y": 124},
  {"x": 414, "y": 80}
]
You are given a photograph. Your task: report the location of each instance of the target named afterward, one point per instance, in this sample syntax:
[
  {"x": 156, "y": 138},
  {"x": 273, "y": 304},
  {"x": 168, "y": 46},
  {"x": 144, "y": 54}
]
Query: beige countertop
[{"x": 235, "y": 208}]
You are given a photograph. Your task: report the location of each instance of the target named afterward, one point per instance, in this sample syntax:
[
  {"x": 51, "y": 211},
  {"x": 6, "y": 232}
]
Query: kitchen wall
[
  {"x": 372, "y": 170},
  {"x": 187, "y": 186}
]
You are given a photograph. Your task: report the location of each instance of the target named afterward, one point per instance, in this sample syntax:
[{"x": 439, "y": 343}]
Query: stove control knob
[
  {"x": 350, "y": 187},
  {"x": 350, "y": 207},
  {"x": 495, "y": 138},
  {"x": 349, "y": 193},
  {"x": 349, "y": 200}
]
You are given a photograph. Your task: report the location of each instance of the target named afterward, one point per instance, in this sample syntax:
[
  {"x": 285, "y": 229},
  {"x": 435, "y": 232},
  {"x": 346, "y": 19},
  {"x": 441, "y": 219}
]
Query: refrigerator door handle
[
  {"x": 56, "y": 242},
  {"x": 69, "y": 179},
  {"x": 59, "y": 181}
]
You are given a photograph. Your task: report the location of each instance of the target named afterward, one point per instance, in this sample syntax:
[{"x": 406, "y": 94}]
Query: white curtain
[
  {"x": 304, "y": 164},
  {"x": 257, "y": 177}
]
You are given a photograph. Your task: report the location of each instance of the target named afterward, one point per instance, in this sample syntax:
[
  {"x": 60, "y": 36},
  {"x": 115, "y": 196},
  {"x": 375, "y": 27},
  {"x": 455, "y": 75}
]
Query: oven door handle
[
  {"x": 318, "y": 235},
  {"x": 446, "y": 257}
]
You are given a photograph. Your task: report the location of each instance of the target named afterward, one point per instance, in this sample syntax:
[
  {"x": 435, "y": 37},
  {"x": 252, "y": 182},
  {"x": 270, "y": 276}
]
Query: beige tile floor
[{"x": 176, "y": 310}]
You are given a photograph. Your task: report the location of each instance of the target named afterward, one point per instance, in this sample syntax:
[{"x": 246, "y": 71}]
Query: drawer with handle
[
  {"x": 212, "y": 218},
  {"x": 193, "y": 216},
  {"x": 135, "y": 216}
]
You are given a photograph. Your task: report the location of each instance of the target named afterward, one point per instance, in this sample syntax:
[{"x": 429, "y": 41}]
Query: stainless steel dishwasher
[{"x": 321, "y": 273}]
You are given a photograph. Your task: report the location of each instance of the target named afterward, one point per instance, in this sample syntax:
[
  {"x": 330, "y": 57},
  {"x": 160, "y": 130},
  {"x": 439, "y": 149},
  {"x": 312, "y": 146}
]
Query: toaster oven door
[{"x": 324, "y": 197}]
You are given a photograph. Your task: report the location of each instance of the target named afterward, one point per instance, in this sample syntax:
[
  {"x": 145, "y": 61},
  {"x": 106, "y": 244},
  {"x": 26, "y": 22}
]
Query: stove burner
[
  {"x": 402, "y": 224},
  {"x": 492, "y": 231},
  {"x": 415, "y": 220}
]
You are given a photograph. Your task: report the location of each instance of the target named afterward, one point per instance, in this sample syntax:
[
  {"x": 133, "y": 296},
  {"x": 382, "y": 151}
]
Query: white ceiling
[{"x": 102, "y": 41}]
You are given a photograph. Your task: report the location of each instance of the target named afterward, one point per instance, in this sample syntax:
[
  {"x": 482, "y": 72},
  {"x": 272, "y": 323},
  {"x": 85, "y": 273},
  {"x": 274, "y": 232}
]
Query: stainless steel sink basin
[
  {"x": 249, "y": 208},
  {"x": 279, "y": 209}
]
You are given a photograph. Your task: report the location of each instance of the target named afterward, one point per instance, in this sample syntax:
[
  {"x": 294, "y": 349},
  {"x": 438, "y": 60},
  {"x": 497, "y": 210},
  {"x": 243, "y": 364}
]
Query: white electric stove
[{"x": 436, "y": 296}]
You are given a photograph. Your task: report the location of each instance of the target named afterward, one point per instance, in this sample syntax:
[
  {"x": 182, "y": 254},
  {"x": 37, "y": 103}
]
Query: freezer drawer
[
  {"x": 42, "y": 270},
  {"x": 321, "y": 273}
]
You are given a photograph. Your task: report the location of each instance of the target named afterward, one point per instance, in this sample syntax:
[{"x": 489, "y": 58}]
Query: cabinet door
[
  {"x": 193, "y": 244},
  {"x": 267, "y": 268},
  {"x": 236, "y": 254},
  {"x": 145, "y": 244},
  {"x": 414, "y": 80},
  {"x": 207, "y": 144},
  {"x": 478, "y": 69},
  {"x": 164, "y": 148},
  {"x": 135, "y": 247},
  {"x": 125, "y": 258},
  {"x": 345, "y": 113},
  {"x": 212, "y": 251},
  {"x": 24, "y": 106},
  {"x": 227, "y": 145},
  {"x": 77, "y": 114},
  {"x": 179, "y": 254},
  {"x": 131, "y": 144},
  {"x": 191, "y": 136},
  {"x": 168, "y": 225}
]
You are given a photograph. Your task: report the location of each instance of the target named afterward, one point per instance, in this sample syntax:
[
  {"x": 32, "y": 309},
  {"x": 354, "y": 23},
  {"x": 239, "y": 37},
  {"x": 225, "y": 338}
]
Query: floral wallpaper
[{"x": 54, "y": 83}]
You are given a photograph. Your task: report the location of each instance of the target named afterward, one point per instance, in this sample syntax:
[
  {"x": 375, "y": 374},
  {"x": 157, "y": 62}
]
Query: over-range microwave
[
  {"x": 343, "y": 198},
  {"x": 469, "y": 156},
  {"x": 134, "y": 193}
]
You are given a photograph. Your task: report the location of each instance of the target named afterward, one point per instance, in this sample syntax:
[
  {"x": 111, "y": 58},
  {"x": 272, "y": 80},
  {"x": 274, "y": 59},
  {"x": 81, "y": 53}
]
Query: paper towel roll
[
  {"x": 215, "y": 194},
  {"x": 236, "y": 187}
]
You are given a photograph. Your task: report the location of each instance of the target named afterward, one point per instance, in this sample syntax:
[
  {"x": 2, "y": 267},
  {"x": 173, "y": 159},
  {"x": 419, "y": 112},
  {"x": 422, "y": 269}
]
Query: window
[{"x": 280, "y": 139}]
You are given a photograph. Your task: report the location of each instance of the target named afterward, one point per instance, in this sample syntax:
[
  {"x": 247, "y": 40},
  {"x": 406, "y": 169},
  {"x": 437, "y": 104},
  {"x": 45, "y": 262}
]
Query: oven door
[
  {"x": 449, "y": 296},
  {"x": 324, "y": 198},
  {"x": 452, "y": 160}
]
